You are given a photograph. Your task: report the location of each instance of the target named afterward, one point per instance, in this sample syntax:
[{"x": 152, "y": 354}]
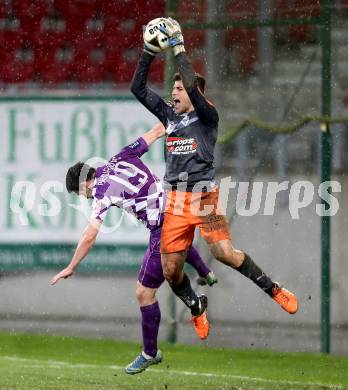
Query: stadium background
[{"x": 65, "y": 73}]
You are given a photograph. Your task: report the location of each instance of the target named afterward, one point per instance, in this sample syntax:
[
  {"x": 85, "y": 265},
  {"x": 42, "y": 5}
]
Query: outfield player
[
  {"x": 126, "y": 182},
  {"x": 191, "y": 124}
]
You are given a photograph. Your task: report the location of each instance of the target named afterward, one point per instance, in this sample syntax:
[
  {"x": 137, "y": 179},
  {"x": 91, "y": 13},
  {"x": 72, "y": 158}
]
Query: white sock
[
  {"x": 146, "y": 356},
  {"x": 199, "y": 305}
]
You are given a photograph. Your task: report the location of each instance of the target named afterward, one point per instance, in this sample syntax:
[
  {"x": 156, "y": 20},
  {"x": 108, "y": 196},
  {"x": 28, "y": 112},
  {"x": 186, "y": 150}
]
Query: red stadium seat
[
  {"x": 77, "y": 15},
  {"x": 111, "y": 8},
  {"x": 3, "y": 10},
  {"x": 51, "y": 34},
  {"x": 281, "y": 8},
  {"x": 87, "y": 42},
  {"x": 134, "y": 10},
  {"x": 132, "y": 34},
  {"x": 123, "y": 66},
  {"x": 296, "y": 9},
  {"x": 303, "y": 8},
  {"x": 113, "y": 26},
  {"x": 43, "y": 58},
  {"x": 120, "y": 9},
  {"x": 16, "y": 69},
  {"x": 113, "y": 41},
  {"x": 124, "y": 73},
  {"x": 245, "y": 40},
  {"x": 90, "y": 37},
  {"x": 88, "y": 73},
  {"x": 30, "y": 9},
  {"x": 75, "y": 10},
  {"x": 85, "y": 34},
  {"x": 56, "y": 72},
  {"x": 74, "y": 29},
  {"x": 125, "y": 34},
  {"x": 248, "y": 52},
  {"x": 147, "y": 11},
  {"x": 113, "y": 34},
  {"x": 307, "y": 7},
  {"x": 191, "y": 11},
  {"x": 53, "y": 66},
  {"x": 194, "y": 39},
  {"x": 112, "y": 63},
  {"x": 241, "y": 9},
  {"x": 233, "y": 36},
  {"x": 10, "y": 35},
  {"x": 90, "y": 68},
  {"x": 299, "y": 34}
]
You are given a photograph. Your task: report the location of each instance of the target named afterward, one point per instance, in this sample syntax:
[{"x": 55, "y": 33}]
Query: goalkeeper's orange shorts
[{"x": 186, "y": 210}]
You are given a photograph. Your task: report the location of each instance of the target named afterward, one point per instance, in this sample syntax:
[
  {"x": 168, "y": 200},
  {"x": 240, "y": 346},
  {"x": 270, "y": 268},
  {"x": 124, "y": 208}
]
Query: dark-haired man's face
[{"x": 181, "y": 100}]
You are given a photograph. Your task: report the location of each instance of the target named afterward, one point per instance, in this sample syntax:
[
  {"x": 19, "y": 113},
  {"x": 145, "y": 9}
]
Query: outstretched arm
[
  {"x": 147, "y": 97},
  {"x": 158, "y": 131},
  {"x": 205, "y": 109},
  {"x": 84, "y": 246},
  {"x": 141, "y": 145}
]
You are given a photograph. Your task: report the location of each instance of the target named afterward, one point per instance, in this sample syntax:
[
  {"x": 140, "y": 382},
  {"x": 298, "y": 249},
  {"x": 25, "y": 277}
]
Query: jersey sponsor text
[{"x": 179, "y": 145}]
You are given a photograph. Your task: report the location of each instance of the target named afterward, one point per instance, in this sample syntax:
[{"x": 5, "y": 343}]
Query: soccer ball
[{"x": 154, "y": 39}]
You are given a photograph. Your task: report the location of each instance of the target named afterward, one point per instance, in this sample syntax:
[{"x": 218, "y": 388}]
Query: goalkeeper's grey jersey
[
  {"x": 190, "y": 137},
  {"x": 189, "y": 148}
]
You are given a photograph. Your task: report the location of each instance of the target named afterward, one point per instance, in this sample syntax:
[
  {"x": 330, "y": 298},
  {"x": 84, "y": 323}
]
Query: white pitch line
[{"x": 58, "y": 364}]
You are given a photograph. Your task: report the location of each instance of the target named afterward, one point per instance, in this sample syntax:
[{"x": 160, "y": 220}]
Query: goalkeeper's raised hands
[{"x": 173, "y": 31}]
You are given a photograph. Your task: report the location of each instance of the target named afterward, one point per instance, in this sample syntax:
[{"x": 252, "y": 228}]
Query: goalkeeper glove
[
  {"x": 147, "y": 49},
  {"x": 174, "y": 34}
]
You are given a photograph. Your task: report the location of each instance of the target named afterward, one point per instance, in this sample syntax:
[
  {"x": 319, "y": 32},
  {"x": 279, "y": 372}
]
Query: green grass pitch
[{"x": 45, "y": 362}]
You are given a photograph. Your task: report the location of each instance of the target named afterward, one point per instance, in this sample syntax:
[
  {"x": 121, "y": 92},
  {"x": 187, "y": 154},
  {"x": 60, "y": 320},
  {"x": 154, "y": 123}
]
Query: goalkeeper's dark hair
[
  {"x": 77, "y": 174},
  {"x": 199, "y": 78}
]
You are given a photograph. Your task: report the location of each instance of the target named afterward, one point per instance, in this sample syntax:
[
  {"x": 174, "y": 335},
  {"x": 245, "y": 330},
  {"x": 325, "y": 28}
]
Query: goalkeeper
[{"x": 191, "y": 125}]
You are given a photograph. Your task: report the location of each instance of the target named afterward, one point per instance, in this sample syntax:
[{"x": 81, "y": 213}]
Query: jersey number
[{"x": 124, "y": 171}]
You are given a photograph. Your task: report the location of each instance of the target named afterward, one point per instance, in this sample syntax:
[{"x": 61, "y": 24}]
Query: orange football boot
[
  {"x": 286, "y": 299},
  {"x": 201, "y": 322}
]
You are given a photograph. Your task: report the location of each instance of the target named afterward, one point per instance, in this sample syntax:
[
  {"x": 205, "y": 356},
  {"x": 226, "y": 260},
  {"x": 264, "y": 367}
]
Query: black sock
[
  {"x": 184, "y": 291},
  {"x": 254, "y": 273}
]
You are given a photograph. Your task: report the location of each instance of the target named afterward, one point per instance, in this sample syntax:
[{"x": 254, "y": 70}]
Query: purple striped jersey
[{"x": 126, "y": 182}]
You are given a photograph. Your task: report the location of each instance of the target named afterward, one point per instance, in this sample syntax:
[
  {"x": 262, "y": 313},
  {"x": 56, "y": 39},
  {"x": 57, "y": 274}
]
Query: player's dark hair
[
  {"x": 77, "y": 174},
  {"x": 200, "y": 80}
]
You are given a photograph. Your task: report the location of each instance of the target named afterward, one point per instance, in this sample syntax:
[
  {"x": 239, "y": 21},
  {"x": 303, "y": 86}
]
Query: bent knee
[
  {"x": 169, "y": 274},
  {"x": 173, "y": 276},
  {"x": 233, "y": 258},
  {"x": 140, "y": 294},
  {"x": 145, "y": 296}
]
